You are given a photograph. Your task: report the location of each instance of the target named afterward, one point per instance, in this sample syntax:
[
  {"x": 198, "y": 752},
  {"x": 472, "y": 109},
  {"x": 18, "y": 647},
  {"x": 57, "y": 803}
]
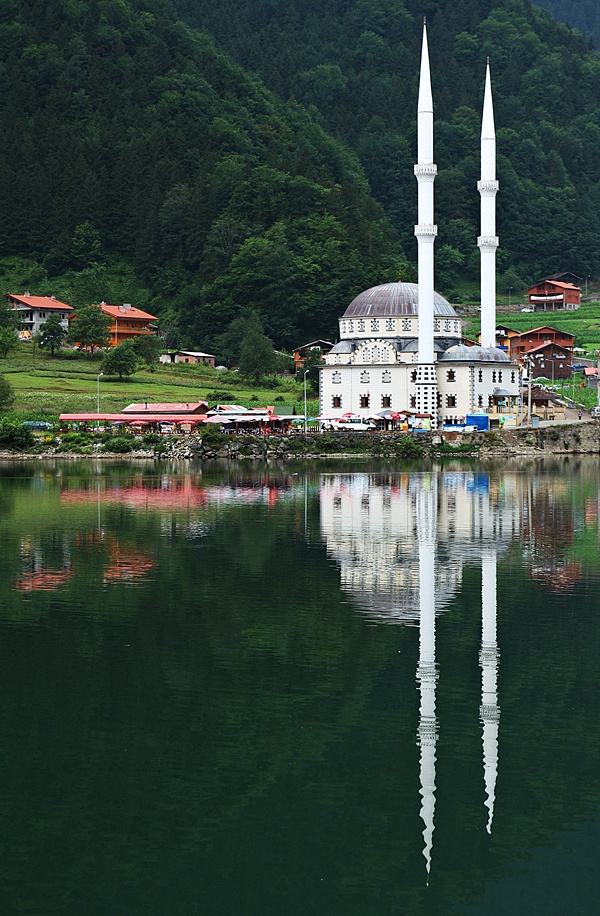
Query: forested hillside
[
  {"x": 141, "y": 163},
  {"x": 581, "y": 14},
  {"x": 128, "y": 140},
  {"x": 357, "y": 62}
]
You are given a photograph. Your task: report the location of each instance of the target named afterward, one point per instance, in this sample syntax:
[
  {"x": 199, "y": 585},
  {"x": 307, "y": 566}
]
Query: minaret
[
  {"x": 425, "y": 231},
  {"x": 490, "y": 711},
  {"x": 488, "y": 240},
  {"x": 426, "y": 672}
]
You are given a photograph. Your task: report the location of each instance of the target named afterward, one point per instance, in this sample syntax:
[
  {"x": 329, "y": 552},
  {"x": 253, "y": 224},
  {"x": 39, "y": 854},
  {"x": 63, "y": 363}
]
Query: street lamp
[
  {"x": 510, "y": 289},
  {"x": 98, "y": 398},
  {"x": 586, "y": 279},
  {"x": 306, "y": 371}
]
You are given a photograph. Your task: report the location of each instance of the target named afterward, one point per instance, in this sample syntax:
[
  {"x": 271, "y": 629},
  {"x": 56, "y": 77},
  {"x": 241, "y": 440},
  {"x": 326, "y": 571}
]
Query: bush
[
  {"x": 151, "y": 439},
  {"x": 14, "y": 435},
  {"x": 407, "y": 447},
  {"x": 120, "y": 444}
]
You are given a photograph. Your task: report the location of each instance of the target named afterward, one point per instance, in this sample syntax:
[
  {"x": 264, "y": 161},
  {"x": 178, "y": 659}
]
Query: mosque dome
[
  {"x": 391, "y": 300},
  {"x": 463, "y": 354}
]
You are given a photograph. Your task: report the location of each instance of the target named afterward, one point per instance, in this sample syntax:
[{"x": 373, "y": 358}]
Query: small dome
[
  {"x": 394, "y": 299},
  {"x": 463, "y": 354}
]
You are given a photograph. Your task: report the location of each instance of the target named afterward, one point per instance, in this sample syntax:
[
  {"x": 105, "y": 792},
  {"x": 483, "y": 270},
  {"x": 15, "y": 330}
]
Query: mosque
[{"x": 400, "y": 344}]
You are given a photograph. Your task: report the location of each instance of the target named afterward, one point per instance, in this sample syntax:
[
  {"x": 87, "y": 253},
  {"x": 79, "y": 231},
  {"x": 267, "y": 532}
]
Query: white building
[
  {"x": 400, "y": 344},
  {"x": 34, "y": 311}
]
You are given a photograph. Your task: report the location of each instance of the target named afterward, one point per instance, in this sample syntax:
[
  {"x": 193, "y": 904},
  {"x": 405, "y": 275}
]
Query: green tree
[
  {"x": 7, "y": 395},
  {"x": 257, "y": 357},
  {"x": 8, "y": 340},
  {"x": 312, "y": 361},
  {"x": 90, "y": 328},
  {"x": 121, "y": 361},
  {"x": 52, "y": 334},
  {"x": 147, "y": 348}
]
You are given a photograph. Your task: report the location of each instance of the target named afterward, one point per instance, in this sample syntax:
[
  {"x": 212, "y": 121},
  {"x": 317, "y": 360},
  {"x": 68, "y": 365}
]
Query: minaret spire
[
  {"x": 488, "y": 240},
  {"x": 425, "y": 232}
]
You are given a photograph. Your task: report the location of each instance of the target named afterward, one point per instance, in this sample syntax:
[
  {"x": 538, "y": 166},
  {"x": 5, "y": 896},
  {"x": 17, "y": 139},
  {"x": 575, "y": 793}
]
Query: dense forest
[
  {"x": 202, "y": 159},
  {"x": 581, "y": 14}
]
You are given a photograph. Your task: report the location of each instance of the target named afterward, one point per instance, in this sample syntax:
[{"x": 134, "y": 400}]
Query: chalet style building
[
  {"x": 34, "y": 311},
  {"x": 127, "y": 322},
  {"x": 322, "y": 346},
  {"x": 549, "y": 295},
  {"x": 522, "y": 344}
]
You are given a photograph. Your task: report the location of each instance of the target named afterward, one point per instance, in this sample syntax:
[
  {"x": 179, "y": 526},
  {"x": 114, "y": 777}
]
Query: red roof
[
  {"x": 195, "y": 407},
  {"x": 556, "y": 283},
  {"x": 125, "y": 311},
  {"x": 40, "y": 302}
]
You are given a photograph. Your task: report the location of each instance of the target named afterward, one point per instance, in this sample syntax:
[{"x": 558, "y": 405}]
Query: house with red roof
[
  {"x": 127, "y": 322},
  {"x": 549, "y": 295},
  {"x": 34, "y": 311}
]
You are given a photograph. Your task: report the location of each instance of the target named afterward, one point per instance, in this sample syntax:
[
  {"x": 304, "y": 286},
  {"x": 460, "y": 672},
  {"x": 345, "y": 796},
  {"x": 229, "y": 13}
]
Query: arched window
[{"x": 451, "y": 375}]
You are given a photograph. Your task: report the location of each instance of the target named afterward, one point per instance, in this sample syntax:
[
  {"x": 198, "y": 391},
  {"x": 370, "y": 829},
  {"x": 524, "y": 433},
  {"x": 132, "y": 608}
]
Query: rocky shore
[{"x": 550, "y": 439}]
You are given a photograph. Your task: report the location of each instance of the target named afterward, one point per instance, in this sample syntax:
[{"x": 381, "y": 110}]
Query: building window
[
  {"x": 336, "y": 378},
  {"x": 336, "y": 401},
  {"x": 366, "y": 355},
  {"x": 450, "y": 375},
  {"x": 386, "y": 400},
  {"x": 389, "y": 324},
  {"x": 364, "y": 400},
  {"x": 405, "y": 324},
  {"x": 361, "y": 325},
  {"x": 375, "y": 354},
  {"x": 436, "y": 325},
  {"x": 375, "y": 324},
  {"x": 500, "y": 376},
  {"x": 480, "y": 401},
  {"x": 447, "y": 326},
  {"x": 343, "y": 327},
  {"x": 490, "y": 401},
  {"x": 450, "y": 400},
  {"x": 413, "y": 401},
  {"x": 494, "y": 376},
  {"x": 481, "y": 375},
  {"x": 413, "y": 375},
  {"x": 439, "y": 400},
  {"x": 386, "y": 377},
  {"x": 351, "y": 327},
  {"x": 365, "y": 377}
]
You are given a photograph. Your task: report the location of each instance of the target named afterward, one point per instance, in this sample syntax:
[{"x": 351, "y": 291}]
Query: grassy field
[{"x": 46, "y": 386}]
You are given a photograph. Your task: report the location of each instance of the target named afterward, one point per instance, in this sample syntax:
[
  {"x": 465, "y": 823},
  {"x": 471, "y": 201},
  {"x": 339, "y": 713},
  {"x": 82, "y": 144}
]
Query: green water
[{"x": 263, "y": 690}]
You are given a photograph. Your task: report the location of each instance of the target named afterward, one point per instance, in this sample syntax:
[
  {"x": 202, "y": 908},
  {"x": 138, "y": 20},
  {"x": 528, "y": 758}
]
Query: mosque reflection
[{"x": 402, "y": 541}]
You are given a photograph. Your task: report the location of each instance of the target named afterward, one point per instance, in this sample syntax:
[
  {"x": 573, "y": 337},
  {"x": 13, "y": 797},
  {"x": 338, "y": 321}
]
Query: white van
[
  {"x": 595, "y": 413},
  {"x": 353, "y": 424}
]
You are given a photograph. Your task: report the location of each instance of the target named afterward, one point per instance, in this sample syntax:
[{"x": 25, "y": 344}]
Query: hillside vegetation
[{"x": 142, "y": 163}]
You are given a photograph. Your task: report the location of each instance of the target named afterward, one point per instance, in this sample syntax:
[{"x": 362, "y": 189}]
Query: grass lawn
[{"x": 49, "y": 386}]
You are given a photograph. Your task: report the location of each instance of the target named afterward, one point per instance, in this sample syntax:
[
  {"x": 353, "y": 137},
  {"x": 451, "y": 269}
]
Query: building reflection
[{"x": 401, "y": 543}]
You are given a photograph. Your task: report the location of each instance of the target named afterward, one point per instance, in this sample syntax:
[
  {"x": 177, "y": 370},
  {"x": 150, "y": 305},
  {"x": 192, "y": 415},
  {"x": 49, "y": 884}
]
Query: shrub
[
  {"x": 407, "y": 447},
  {"x": 120, "y": 444},
  {"x": 151, "y": 438},
  {"x": 14, "y": 435}
]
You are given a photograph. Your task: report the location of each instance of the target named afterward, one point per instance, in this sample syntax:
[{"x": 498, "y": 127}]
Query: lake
[{"x": 327, "y": 688}]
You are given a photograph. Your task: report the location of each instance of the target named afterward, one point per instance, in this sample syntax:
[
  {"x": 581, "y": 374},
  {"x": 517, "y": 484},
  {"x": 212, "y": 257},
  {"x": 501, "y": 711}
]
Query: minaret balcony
[
  {"x": 488, "y": 188},
  {"x": 426, "y": 231},
  {"x": 426, "y": 171},
  {"x": 488, "y": 241}
]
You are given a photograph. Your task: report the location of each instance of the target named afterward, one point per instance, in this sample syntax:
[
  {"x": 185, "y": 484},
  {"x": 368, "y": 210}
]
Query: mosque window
[
  {"x": 405, "y": 324},
  {"x": 490, "y": 401},
  {"x": 512, "y": 378},
  {"x": 436, "y": 325},
  {"x": 336, "y": 378},
  {"x": 366, "y": 355},
  {"x": 361, "y": 325},
  {"x": 336, "y": 401},
  {"x": 480, "y": 376},
  {"x": 494, "y": 376},
  {"x": 343, "y": 327},
  {"x": 364, "y": 400},
  {"x": 389, "y": 324},
  {"x": 413, "y": 401},
  {"x": 500, "y": 375},
  {"x": 413, "y": 375},
  {"x": 456, "y": 327},
  {"x": 386, "y": 400},
  {"x": 450, "y": 375},
  {"x": 351, "y": 327},
  {"x": 480, "y": 401},
  {"x": 375, "y": 324},
  {"x": 365, "y": 377},
  {"x": 386, "y": 377},
  {"x": 438, "y": 400},
  {"x": 447, "y": 325},
  {"x": 375, "y": 354},
  {"x": 450, "y": 400},
  {"x": 337, "y": 358}
]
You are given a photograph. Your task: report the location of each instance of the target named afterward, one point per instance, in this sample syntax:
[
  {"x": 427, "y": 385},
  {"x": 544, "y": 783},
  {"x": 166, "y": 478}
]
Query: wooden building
[
  {"x": 549, "y": 295},
  {"x": 127, "y": 322},
  {"x": 523, "y": 343}
]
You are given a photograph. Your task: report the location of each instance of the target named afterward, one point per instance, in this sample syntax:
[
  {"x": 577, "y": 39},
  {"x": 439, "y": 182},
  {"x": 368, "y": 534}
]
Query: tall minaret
[
  {"x": 425, "y": 231},
  {"x": 488, "y": 240},
  {"x": 490, "y": 711},
  {"x": 426, "y": 672}
]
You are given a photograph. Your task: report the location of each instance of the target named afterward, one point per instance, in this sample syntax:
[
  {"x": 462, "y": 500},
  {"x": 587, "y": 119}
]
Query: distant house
[
  {"x": 550, "y": 295},
  {"x": 127, "y": 322},
  {"x": 567, "y": 277},
  {"x": 550, "y": 361},
  {"x": 322, "y": 346},
  {"x": 34, "y": 311},
  {"x": 504, "y": 336},
  {"x": 522, "y": 344},
  {"x": 188, "y": 356}
]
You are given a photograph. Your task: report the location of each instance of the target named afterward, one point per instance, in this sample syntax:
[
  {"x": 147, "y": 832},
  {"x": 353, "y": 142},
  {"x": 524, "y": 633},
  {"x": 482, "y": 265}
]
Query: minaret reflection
[
  {"x": 489, "y": 711},
  {"x": 426, "y": 671}
]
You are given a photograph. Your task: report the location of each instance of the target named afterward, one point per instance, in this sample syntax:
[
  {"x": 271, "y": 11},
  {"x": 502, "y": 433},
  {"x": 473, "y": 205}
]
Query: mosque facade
[{"x": 400, "y": 344}]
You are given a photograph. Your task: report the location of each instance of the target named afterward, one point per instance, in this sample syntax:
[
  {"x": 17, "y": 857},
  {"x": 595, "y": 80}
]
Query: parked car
[
  {"x": 353, "y": 424},
  {"x": 595, "y": 413},
  {"x": 577, "y": 367},
  {"x": 37, "y": 424},
  {"x": 527, "y": 309}
]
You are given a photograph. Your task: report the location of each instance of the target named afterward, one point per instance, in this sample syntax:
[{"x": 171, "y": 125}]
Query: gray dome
[
  {"x": 463, "y": 354},
  {"x": 394, "y": 299}
]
